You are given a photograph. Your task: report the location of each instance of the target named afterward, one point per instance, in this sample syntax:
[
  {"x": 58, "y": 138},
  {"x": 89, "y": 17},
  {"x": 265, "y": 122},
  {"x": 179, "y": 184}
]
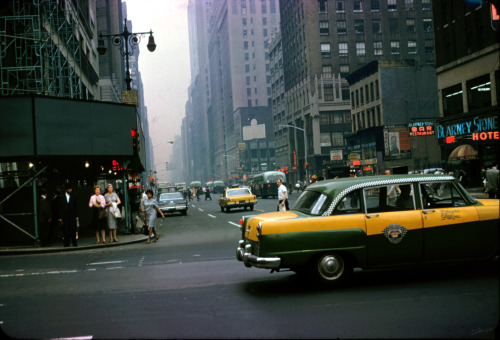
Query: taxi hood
[{"x": 275, "y": 216}]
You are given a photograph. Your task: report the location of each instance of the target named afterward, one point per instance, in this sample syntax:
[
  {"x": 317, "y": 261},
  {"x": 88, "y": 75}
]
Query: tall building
[
  {"x": 467, "y": 49},
  {"x": 239, "y": 78},
  {"x": 197, "y": 125},
  {"x": 322, "y": 42}
]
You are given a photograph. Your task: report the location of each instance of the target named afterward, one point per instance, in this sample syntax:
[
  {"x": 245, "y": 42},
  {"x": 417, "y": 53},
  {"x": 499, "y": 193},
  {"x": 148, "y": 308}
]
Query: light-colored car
[
  {"x": 372, "y": 222},
  {"x": 171, "y": 202},
  {"x": 237, "y": 198}
]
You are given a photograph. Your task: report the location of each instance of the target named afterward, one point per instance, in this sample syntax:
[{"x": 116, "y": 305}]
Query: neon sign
[
  {"x": 476, "y": 125},
  {"x": 421, "y": 129}
]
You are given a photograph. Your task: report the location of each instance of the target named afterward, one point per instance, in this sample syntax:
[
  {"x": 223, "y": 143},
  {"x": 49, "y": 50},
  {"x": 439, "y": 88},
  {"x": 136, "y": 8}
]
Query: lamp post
[
  {"x": 305, "y": 146},
  {"x": 128, "y": 39}
]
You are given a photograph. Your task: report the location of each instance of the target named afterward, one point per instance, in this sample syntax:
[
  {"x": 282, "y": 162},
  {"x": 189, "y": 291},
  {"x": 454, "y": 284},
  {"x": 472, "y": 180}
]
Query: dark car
[{"x": 171, "y": 202}]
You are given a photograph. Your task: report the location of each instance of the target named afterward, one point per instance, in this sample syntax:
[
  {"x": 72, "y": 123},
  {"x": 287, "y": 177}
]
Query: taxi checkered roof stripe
[{"x": 344, "y": 192}]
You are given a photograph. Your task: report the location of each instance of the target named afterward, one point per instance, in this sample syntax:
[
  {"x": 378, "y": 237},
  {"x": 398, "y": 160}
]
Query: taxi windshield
[
  {"x": 238, "y": 192},
  {"x": 312, "y": 202}
]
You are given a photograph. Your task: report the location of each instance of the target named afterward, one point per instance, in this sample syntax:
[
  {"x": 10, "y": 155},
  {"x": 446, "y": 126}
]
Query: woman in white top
[
  {"x": 96, "y": 204},
  {"x": 112, "y": 200}
]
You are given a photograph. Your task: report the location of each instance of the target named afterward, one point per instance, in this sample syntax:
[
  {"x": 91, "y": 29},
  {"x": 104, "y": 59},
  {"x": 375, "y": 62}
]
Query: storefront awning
[{"x": 462, "y": 153}]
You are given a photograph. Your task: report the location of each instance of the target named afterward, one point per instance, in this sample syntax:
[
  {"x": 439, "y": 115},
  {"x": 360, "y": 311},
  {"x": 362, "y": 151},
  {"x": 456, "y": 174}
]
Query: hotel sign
[{"x": 480, "y": 128}]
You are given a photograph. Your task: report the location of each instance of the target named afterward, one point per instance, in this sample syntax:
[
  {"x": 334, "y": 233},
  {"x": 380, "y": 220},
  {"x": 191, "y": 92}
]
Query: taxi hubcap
[{"x": 330, "y": 267}]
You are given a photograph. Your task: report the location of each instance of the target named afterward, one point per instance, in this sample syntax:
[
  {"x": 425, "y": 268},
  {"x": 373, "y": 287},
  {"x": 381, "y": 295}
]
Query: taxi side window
[
  {"x": 441, "y": 195},
  {"x": 349, "y": 204},
  {"x": 389, "y": 198}
]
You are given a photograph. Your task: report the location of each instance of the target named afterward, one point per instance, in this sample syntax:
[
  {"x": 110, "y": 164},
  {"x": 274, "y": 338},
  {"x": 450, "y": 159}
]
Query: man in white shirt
[{"x": 282, "y": 195}]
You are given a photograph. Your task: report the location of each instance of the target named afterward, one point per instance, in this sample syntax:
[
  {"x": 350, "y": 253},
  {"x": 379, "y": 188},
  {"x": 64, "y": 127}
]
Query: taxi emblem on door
[{"x": 395, "y": 233}]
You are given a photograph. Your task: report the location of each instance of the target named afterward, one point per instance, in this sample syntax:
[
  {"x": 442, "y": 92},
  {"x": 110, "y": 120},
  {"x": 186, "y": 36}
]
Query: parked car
[
  {"x": 237, "y": 198},
  {"x": 371, "y": 222},
  {"x": 171, "y": 202}
]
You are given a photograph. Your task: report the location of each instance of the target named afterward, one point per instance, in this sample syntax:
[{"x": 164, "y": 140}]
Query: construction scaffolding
[{"x": 43, "y": 50}]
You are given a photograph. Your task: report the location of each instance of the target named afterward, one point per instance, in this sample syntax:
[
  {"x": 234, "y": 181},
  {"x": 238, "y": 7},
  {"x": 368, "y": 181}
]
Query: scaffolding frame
[{"x": 41, "y": 50}]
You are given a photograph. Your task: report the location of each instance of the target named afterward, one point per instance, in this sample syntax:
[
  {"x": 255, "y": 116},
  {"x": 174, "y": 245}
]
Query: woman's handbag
[
  {"x": 117, "y": 213},
  {"x": 103, "y": 213}
]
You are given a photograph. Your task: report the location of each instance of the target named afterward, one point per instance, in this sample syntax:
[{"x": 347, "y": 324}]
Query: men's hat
[{"x": 314, "y": 177}]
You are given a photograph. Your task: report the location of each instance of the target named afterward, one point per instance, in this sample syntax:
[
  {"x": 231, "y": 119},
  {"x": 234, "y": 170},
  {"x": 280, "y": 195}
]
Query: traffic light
[
  {"x": 307, "y": 165},
  {"x": 135, "y": 141}
]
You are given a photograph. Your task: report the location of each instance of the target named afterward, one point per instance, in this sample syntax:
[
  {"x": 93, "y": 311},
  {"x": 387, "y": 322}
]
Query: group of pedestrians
[{"x": 105, "y": 210}]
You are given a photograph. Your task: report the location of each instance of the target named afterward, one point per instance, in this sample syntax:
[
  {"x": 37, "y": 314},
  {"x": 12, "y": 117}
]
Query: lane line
[
  {"x": 211, "y": 216},
  {"x": 200, "y": 209},
  {"x": 234, "y": 224},
  {"x": 100, "y": 263}
]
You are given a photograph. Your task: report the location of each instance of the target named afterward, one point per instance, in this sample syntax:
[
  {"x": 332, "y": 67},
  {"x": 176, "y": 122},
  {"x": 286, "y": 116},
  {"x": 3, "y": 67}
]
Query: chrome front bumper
[{"x": 244, "y": 254}]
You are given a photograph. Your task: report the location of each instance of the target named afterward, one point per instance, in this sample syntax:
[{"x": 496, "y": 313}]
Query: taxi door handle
[
  {"x": 428, "y": 211},
  {"x": 371, "y": 215}
]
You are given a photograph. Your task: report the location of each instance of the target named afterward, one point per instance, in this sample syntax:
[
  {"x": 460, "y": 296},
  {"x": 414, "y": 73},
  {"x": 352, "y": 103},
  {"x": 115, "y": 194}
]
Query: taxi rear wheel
[{"x": 331, "y": 268}]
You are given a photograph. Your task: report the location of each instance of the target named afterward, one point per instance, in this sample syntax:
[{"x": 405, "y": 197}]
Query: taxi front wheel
[{"x": 331, "y": 268}]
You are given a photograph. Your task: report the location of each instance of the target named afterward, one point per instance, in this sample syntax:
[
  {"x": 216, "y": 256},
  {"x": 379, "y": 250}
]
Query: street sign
[{"x": 130, "y": 97}]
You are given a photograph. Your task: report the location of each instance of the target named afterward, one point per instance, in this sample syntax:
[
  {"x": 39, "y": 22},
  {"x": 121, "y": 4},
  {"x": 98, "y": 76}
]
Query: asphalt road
[{"x": 189, "y": 285}]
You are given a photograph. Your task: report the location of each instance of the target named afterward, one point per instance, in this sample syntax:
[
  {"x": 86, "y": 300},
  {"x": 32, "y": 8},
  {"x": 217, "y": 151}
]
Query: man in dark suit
[
  {"x": 44, "y": 218},
  {"x": 68, "y": 215}
]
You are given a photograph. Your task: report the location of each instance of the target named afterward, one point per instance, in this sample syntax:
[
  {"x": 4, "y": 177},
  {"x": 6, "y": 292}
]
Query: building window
[
  {"x": 343, "y": 52},
  {"x": 263, "y": 6},
  {"x": 323, "y": 7},
  {"x": 244, "y": 21},
  {"x": 337, "y": 138},
  {"x": 324, "y": 28},
  {"x": 393, "y": 26},
  {"x": 371, "y": 91},
  {"x": 249, "y": 92},
  {"x": 247, "y": 68},
  {"x": 377, "y": 93},
  {"x": 427, "y": 25},
  {"x": 361, "y": 96},
  {"x": 479, "y": 92},
  {"x": 341, "y": 27},
  {"x": 264, "y": 21},
  {"x": 412, "y": 47},
  {"x": 376, "y": 26},
  {"x": 245, "y": 45},
  {"x": 340, "y": 6},
  {"x": 249, "y": 103},
  {"x": 394, "y": 47},
  {"x": 243, "y": 7},
  {"x": 391, "y": 5},
  {"x": 352, "y": 100},
  {"x": 426, "y": 5},
  {"x": 327, "y": 71},
  {"x": 452, "y": 100},
  {"x": 247, "y": 80},
  {"x": 324, "y": 139},
  {"x": 377, "y": 48},
  {"x": 357, "y": 98},
  {"x": 358, "y": 6},
  {"x": 359, "y": 26},
  {"x": 360, "y": 49},
  {"x": 245, "y": 33},
  {"x": 429, "y": 46},
  {"x": 410, "y": 25},
  {"x": 344, "y": 70},
  {"x": 247, "y": 56},
  {"x": 325, "y": 50},
  {"x": 328, "y": 92},
  {"x": 367, "y": 94},
  {"x": 265, "y": 32},
  {"x": 375, "y": 5},
  {"x": 409, "y": 4}
]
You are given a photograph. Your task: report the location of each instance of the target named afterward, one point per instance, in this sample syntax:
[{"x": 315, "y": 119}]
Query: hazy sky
[{"x": 165, "y": 72}]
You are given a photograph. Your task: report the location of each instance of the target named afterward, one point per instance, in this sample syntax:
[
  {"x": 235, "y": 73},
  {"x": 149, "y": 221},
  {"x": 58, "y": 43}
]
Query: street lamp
[
  {"x": 305, "y": 146},
  {"x": 170, "y": 142},
  {"x": 126, "y": 38}
]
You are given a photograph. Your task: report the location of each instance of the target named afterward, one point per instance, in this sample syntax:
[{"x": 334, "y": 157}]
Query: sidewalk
[{"x": 84, "y": 243}]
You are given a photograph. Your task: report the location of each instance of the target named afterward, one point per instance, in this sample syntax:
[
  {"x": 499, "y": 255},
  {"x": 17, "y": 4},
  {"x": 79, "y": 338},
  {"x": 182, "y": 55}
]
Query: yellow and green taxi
[
  {"x": 240, "y": 197},
  {"x": 370, "y": 222}
]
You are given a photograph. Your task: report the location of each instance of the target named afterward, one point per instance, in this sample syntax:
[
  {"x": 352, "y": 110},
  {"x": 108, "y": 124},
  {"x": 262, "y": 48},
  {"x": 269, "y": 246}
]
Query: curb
[{"x": 45, "y": 250}]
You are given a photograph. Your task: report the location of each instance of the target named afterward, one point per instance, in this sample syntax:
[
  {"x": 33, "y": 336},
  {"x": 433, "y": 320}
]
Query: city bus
[
  {"x": 195, "y": 184},
  {"x": 264, "y": 184},
  {"x": 218, "y": 187}
]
